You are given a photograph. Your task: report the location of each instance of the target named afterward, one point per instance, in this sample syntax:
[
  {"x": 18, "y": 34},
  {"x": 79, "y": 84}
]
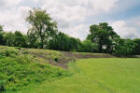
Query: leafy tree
[
  {"x": 1, "y": 28},
  {"x": 74, "y": 44},
  {"x": 33, "y": 41},
  {"x": 103, "y": 35},
  {"x": 137, "y": 48},
  {"x": 19, "y": 39},
  {"x": 1, "y": 35},
  {"x": 124, "y": 47},
  {"x": 9, "y": 38},
  {"x": 42, "y": 25}
]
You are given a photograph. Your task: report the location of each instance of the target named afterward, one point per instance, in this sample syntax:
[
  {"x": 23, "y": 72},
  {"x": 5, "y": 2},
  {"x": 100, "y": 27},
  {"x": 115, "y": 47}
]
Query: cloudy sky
[{"x": 75, "y": 16}]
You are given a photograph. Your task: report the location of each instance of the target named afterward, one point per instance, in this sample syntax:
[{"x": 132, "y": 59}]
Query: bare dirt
[{"x": 67, "y": 57}]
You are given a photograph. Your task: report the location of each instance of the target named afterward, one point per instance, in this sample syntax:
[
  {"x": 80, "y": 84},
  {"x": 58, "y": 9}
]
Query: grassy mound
[{"x": 18, "y": 70}]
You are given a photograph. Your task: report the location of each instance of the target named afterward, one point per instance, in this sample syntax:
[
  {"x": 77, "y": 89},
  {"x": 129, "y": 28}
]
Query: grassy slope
[
  {"x": 112, "y": 75},
  {"x": 19, "y": 70}
]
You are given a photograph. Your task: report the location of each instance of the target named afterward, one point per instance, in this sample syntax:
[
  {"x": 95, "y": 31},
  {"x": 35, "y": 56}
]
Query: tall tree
[
  {"x": 42, "y": 25},
  {"x": 103, "y": 35},
  {"x": 137, "y": 48},
  {"x": 1, "y": 35}
]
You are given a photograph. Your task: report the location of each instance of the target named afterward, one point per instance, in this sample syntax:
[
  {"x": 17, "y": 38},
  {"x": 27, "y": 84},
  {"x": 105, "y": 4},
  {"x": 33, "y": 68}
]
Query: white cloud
[
  {"x": 76, "y": 10},
  {"x": 101, "y": 5},
  {"x": 125, "y": 30},
  {"x": 78, "y": 31},
  {"x": 15, "y": 19},
  {"x": 9, "y": 3},
  {"x": 71, "y": 15}
]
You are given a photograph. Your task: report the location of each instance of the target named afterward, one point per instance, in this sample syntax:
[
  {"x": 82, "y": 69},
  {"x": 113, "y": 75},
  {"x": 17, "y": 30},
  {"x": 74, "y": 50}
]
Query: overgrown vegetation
[
  {"x": 19, "y": 70},
  {"x": 43, "y": 33}
]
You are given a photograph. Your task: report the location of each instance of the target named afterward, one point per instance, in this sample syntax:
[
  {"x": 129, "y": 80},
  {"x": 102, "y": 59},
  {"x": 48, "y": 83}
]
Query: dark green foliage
[
  {"x": 9, "y": 38},
  {"x": 33, "y": 42},
  {"x": 137, "y": 48},
  {"x": 103, "y": 35},
  {"x": 15, "y": 39},
  {"x": 124, "y": 47},
  {"x": 1, "y": 35},
  {"x": 64, "y": 42},
  {"x": 1, "y": 38},
  {"x": 88, "y": 46},
  {"x": 1, "y": 28},
  {"x": 19, "y": 39}
]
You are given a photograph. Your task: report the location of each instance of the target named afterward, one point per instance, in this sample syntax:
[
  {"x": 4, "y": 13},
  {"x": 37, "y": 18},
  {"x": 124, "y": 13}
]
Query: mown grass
[{"x": 113, "y": 75}]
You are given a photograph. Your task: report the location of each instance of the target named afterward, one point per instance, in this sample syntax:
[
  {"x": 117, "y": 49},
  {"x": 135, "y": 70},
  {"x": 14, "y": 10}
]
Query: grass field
[
  {"x": 29, "y": 71},
  {"x": 113, "y": 75}
]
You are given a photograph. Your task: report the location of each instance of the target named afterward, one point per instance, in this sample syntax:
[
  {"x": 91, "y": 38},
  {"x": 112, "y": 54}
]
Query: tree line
[{"x": 43, "y": 33}]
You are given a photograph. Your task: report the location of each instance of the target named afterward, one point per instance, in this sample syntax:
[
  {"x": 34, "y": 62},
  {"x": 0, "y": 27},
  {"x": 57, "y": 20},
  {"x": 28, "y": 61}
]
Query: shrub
[{"x": 88, "y": 46}]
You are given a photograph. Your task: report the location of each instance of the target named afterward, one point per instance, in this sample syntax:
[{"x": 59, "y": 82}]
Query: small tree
[
  {"x": 42, "y": 26},
  {"x": 1, "y": 35}
]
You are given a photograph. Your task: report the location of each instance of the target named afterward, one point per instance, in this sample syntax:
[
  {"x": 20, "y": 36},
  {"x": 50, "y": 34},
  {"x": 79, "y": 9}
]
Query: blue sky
[{"x": 75, "y": 16}]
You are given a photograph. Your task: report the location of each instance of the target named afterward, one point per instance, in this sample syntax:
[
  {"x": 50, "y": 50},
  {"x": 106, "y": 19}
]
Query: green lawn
[{"x": 113, "y": 75}]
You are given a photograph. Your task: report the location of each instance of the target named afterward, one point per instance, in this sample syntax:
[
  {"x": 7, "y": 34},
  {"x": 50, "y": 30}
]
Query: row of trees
[{"x": 44, "y": 34}]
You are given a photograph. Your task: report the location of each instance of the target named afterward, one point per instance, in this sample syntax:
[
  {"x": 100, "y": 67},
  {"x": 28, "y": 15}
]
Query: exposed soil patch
[
  {"x": 87, "y": 55},
  {"x": 63, "y": 58}
]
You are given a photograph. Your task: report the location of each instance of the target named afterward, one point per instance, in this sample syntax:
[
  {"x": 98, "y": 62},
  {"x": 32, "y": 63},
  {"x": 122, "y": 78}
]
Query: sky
[{"x": 74, "y": 17}]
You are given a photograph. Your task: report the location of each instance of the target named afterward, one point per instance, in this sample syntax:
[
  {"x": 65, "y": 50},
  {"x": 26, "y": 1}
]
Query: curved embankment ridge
[{"x": 60, "y": 58}]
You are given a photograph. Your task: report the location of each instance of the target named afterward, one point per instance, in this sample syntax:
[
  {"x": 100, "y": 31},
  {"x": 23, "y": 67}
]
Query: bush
[{"x": 88, "y": 46}]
